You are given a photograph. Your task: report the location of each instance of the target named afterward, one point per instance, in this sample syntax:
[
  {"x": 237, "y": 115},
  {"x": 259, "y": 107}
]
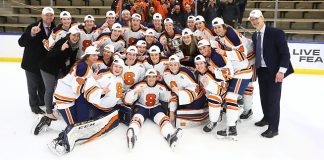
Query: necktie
[
  {"x": 258, "y": 51},
  {"x": 48, "y": 31}
]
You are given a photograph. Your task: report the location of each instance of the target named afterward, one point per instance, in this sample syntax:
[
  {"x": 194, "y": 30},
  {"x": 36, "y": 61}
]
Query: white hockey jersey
[
  {"x": 132, "y": 36},
  {"x": 185, "y": 81},
  {"x": 105, "y": 39},
  {"x": 151, "y": 96},
  {"x": 86, "y": 39},
  {"x": 70, "y": 87},
  {"x": 133, "y": 74},
  {"x": 159, "y": 67},
  {"x": 57, "y": 34},
  {"x": 93, "y": 90},
  {"x": 237, "y": 53}
]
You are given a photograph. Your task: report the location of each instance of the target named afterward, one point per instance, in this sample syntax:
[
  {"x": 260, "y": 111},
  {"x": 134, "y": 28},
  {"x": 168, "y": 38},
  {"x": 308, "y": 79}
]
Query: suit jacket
[
  {"x": 54, "y": 61},
  {"x": 275, "y": 50},
  {"x": 34, "y": 49}
]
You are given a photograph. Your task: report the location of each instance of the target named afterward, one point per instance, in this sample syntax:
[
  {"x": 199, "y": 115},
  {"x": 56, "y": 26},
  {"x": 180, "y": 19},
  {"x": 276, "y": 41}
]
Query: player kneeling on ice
[
  {"x": 214, "y": 86},
  {"x": 103, "y": 91},
  {"x": 147, "y": 95}
]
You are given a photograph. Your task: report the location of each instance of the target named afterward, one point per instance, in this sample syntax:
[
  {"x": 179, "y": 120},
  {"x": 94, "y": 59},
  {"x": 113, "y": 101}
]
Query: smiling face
[
  {"x": 155, "y": 57},
  {"x": 201, "y": 66},
  {"x": 117, "y": 69},
  {"x": 219, "y": 30},
  {"x": 89, "y": 24},
  {"x": 110, "y": 20},
  {"x": 66, "y": 22},
  {"x": 131, "y": 57},
  {"x": 47, "y": 18},
  {"x": 257, "y": 23},
  {"x": 74, "y": 38},
  {"x": 151, "y": 80},
  {"x": 174, "y": 67},
  {"x": 169, "y": 27},
  {"x": 187, "y": 39},
  {"x": 92, "y": 59},
  {"x": 205, "y": 51},
  {"x": 107, "y": 54}
]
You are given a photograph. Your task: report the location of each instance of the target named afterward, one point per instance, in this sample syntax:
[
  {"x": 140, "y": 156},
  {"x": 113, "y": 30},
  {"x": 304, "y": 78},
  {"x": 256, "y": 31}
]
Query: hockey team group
[{"x": 123, "y": 71}]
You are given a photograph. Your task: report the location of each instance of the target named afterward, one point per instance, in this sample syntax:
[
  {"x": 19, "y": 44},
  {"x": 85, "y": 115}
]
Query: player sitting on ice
[
  {"x": 147, "y": 95},
  {"x": 215, "y": 86},
  {"x": 191, "y": 109},
  {"x": 103, "y": 91}
]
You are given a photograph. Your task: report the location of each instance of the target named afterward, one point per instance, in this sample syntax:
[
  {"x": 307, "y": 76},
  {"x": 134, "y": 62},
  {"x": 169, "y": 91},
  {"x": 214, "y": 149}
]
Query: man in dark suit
[
  {"x": 32, "y": 40},
  {"x": 273, "y": 65}
]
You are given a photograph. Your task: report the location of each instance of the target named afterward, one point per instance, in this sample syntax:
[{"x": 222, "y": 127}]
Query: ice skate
[
  {"x": 173, "y": 138},
  {"x": 59, "y": 145},
  {"x": 228, "y": 133},
  {"x": 210, "y": 126},
  {"x": 131, "y": 138}
]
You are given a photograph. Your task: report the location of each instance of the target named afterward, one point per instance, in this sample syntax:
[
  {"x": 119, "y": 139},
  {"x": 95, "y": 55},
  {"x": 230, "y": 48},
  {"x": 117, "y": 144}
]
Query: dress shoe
[
  {"x": 261, "y": 123},
  {"x": 269, "y": 133},
  {"x": 37, "y": 110}
]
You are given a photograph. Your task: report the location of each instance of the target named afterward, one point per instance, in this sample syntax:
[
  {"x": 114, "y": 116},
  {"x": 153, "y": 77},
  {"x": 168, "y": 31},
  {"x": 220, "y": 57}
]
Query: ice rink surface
[{"x": 301, "y": 131}]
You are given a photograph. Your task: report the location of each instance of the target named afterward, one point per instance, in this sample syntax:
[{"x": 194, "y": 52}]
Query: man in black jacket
[
  {"x": 32, "y": 40},
  {"x": 273, "y": 65}
]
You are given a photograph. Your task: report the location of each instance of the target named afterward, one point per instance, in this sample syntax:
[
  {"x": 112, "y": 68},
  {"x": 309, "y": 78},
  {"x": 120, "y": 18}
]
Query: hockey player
[
  {"x": 156, "y": 61},
  {"x": 88, "y": 34},
  {"x": 201, "y": 26},
  {"x": 151, "y": 39},
  {"x": 115, "y": 38},
  {"x": 171, "y": 39},
  {"x": 60, "y": 30},
  {"x": 135, "y": 31},
  {"x": 106, "y": 59},
  {"x": 182, "y": 83},
  {"x": 157, "y": 25},
  {"x": 230, "y": 46},
  {"x": 142, "y": 53},
  {"x": 134, "y": 70},
  {"x": 69, "y": 88},
  {"x": 107, "y": 26},
  {"x": 214, "y": 85},
  {"x": 147, "y": 95},
  {"x": 104, "y": 92},
  {"x": 191, "y": 23}
]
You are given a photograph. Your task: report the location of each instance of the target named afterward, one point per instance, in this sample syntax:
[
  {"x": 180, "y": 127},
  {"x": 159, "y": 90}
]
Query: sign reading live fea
[{"x": 307, "y": 55}]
